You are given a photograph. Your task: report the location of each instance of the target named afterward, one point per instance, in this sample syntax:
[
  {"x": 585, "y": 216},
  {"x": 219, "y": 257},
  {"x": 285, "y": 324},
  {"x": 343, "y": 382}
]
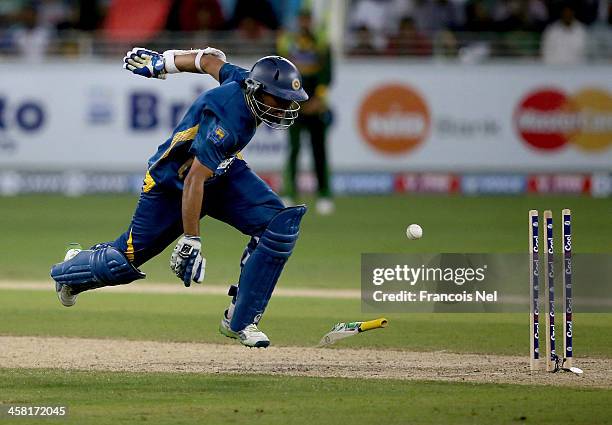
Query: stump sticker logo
[
  {"x": 549, "y": 119},
  {"x": 393, "y": 118}
]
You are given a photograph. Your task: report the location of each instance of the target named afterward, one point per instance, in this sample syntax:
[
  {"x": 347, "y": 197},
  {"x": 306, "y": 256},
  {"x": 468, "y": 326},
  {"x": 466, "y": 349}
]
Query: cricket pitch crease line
[
  {"x": 204, "y": 289},
  {"x": 178, "y": 288}
]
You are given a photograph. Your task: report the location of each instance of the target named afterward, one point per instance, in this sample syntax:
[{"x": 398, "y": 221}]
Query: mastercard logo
[
  {"x": 549, "y": 119},
  {"x": 393, "y": 119}
]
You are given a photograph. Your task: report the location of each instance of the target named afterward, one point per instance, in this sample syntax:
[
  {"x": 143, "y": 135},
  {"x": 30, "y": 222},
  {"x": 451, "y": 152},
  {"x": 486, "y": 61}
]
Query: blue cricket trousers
[{"x": 239, "y": 198}]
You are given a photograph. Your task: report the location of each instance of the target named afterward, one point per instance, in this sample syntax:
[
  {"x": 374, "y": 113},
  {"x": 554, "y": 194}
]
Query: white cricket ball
[{"x": 414, "y": 231}]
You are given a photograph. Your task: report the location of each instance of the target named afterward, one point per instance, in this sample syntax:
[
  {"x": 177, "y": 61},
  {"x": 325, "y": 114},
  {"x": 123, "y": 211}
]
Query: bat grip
[{"x": 373, "y": 324}]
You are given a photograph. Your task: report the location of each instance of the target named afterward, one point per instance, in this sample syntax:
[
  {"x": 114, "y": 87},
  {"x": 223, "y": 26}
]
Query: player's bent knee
[
  {"x": 279, "y": 238},
  {"x": 264, "y": 266},
  {"x": 90, "y": 269},
  {"x": 112, "y": 267}
]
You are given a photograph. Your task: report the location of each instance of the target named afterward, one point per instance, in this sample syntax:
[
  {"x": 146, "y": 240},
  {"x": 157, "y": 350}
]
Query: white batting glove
[
  {"x": 187, "y": 261},
  {"x": 144, "y": 62}
]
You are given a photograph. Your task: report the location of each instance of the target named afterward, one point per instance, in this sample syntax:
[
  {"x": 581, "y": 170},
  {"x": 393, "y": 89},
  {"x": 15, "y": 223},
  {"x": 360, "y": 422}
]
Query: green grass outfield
[
  {"x": 35, "y": 229},
  {"x": 112, "y": 398}
]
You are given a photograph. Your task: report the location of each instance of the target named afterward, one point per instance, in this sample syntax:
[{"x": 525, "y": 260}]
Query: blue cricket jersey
[{"x": 215, "y": 128}]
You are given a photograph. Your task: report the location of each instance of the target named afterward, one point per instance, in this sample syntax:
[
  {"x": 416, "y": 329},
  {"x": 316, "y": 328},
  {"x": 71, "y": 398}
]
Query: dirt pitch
[{"x": 149, "y": 356}]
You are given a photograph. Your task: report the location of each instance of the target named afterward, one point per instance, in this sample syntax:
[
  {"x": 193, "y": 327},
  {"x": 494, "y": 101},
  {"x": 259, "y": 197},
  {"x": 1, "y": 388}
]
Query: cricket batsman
[{"x": 199, "y": 171}]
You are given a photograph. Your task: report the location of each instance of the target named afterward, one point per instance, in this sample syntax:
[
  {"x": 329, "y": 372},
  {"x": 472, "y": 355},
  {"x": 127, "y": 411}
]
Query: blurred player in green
[{"x": 309, "y": 50}]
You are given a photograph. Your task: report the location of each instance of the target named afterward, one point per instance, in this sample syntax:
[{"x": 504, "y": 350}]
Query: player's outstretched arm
[
  {"x": 151, "y": 64},
  {"x": 204, "y": 63},
  {"x": 186, "y": 260}
]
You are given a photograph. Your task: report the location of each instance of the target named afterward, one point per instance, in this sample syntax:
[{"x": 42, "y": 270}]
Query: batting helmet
[{"x": 280, "y": 78}]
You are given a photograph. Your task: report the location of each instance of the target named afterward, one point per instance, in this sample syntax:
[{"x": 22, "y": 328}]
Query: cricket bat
[{"x": 344, "y": 330}]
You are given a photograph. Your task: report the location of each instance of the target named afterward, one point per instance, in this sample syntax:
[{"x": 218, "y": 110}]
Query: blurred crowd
[
  {"x": 178, "y": 15},
  {"x": 562, "y": 31},
  {"x": 28, "y": 27},
  {"x": 559, "y": 30}
]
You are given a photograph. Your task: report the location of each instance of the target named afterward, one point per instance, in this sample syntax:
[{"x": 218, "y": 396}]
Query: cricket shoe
[
  {"x": 64, "y": 294},
  {"x": 251, "y": 336},
  {"x": 225, "y": 329},
  {"x": 288, "y": 201}
]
